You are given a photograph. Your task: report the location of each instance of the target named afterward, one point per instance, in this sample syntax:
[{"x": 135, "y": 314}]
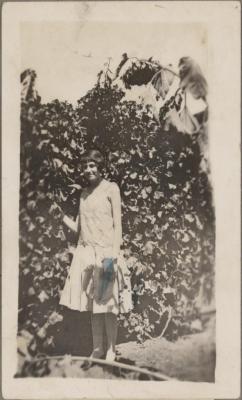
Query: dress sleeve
[
  {"x": 113, "y": 190},
  {"x": 114, "y": 197}
]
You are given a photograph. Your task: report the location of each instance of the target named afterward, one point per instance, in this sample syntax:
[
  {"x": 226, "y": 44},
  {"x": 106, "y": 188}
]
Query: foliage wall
[{"x": 168, "y": 217}]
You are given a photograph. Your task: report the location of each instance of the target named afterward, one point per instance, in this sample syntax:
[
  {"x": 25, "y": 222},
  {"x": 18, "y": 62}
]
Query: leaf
[
  {"x": 67, "y": 169},
  {"x": 75, "y": 186},
  {"x": 61, "y": 235},
  {"x": 54, "y": 318},
  {"x": 158, "y": 195},
  {"x": 169, "y": 164},
  {"x": 42, "y": 333},
  {"x": 31, "y": 227},
  {"x": 26, "y": 271},
  {"x": 189, "y": 217},
  {"x": 187, "y": 187},
  {"x": 151, "y": 152},
  {"x": 48, "y": 274},
  {"x": 42, "y": 143},
  {"x": 31, "y": 204},
  {"x": 148, "y": 248},
  {"x": 73, "y": 144},
  {"x": 57, "y": 163},
  {"x": 23, "y": 341},
  {"x": 198, "y": 223},
  {"x": 31, "y": 291},
  {"x": 40, "y": 219},
  {"x": 154, "y": 179},
  {"x": 121, "y": 161},
  {"x": 40, "y": 252},
  {"x": 171, "y": 186},
  {"x": 54, "y": 207},
  {"x": 43, "y": 296},
  {"x": 144, "y": 194},
  {"x": 37, "y": 267},
  {"x": 133, "y": 175},
  {"x": 62, "y": 196},
  {"x": 185, "y": 238},
  {"x": 55, "y": 149},
  {"x": 133, "y": 208}
]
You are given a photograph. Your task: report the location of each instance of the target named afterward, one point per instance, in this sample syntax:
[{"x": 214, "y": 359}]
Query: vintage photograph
[
  {"x": 119, "y": 239},
  {"x": 117, "y": 222}
]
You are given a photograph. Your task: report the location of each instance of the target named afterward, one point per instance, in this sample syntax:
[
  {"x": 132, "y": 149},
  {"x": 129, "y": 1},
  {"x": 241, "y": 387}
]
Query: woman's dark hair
[{"x": 96, "y": 156}]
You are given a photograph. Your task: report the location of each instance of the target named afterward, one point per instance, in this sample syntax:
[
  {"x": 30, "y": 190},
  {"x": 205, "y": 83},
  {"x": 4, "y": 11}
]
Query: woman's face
[{"x": 91, "y": 172}]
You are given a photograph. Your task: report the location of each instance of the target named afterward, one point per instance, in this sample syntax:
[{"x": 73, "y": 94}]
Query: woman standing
[{"x": 98, "y": 280}]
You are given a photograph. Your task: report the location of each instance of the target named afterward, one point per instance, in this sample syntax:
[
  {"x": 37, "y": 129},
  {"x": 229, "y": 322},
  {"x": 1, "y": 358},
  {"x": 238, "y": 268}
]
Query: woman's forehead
[{"x": 86, "y": 162}]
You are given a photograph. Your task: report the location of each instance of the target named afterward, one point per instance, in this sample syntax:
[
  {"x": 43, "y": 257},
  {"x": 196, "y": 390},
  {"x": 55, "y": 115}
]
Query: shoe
[
  {"x": 97, "y": 354},
  {"x": 111, "y": 355},
  {"x": 86, "y": 365},
  {"x": 89, "y": 363}
]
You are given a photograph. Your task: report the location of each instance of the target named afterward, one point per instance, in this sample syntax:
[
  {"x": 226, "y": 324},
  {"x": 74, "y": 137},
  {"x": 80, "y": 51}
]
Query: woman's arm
[
  {"x": 116, "y": 210},
  {"x": 73, "y": 225}
]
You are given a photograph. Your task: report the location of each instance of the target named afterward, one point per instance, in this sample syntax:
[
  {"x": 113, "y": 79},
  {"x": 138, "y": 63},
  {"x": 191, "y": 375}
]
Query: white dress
[{"x": 84, "y": 285}]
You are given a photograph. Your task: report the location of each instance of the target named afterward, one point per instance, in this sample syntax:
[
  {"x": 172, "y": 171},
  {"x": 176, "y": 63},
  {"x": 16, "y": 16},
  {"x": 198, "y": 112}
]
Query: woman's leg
[
  {"x": 97, "y": 335},
  {"x": 111, "y": 332}
]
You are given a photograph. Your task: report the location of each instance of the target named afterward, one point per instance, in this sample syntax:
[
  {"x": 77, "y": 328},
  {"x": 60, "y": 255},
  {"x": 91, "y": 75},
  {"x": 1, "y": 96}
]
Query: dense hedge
[{"x": 168, "y": 217}]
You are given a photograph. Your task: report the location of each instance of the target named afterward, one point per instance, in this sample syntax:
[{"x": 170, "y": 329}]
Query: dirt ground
[{"x": 190, "y": 358}]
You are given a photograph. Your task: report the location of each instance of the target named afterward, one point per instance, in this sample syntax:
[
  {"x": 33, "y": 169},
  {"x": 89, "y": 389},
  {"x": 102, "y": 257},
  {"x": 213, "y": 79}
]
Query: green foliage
[{"x": 168, "y": 217}]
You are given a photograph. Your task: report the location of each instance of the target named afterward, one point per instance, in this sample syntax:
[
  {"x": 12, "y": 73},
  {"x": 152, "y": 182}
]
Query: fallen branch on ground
[{"x": 117, "y": 364}]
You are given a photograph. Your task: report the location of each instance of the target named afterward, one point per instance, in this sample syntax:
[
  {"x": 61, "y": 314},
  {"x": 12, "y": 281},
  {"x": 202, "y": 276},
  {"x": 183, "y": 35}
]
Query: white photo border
[{"x": 222, "y": 19}]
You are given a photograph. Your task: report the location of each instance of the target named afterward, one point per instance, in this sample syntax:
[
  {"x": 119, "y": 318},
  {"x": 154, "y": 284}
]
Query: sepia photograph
[{"x": 118, "y": 224}]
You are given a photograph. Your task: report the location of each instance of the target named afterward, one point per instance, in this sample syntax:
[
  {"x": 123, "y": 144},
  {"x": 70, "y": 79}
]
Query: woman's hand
[{"x": 115, "y": 259}]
